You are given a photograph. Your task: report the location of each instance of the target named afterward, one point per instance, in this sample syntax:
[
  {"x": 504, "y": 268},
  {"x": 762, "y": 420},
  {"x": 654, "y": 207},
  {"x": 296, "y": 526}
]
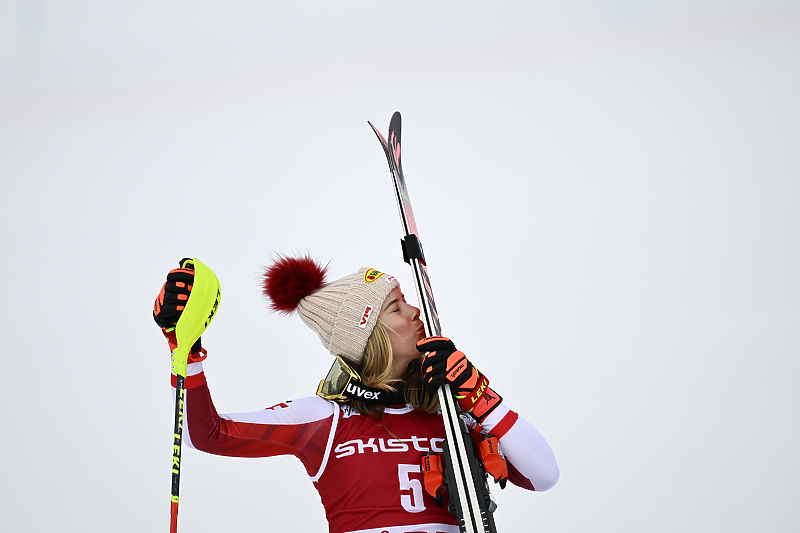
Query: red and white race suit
[{"x": 367, "y": 471}]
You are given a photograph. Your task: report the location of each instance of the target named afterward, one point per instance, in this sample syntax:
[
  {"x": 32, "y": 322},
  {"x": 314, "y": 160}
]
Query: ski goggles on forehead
[{"x": 343, "y": 384}]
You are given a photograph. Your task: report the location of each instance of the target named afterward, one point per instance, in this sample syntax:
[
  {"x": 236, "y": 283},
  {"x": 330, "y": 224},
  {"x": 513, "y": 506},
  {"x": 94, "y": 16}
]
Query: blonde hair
[{"x": 376, "y": 371}]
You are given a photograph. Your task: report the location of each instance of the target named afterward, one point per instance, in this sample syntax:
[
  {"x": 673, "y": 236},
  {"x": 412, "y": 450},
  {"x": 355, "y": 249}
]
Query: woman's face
[{"x": 405, "y": 329}]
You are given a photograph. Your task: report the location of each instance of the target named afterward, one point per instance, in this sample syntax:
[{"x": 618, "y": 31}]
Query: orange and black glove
[
  {"x": 170, "y": 303},
  {"x": 445, "y": 364}
]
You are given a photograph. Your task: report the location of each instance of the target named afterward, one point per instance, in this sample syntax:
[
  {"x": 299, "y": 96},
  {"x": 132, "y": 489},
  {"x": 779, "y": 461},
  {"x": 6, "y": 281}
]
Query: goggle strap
[{"x": 356, "y": 390}]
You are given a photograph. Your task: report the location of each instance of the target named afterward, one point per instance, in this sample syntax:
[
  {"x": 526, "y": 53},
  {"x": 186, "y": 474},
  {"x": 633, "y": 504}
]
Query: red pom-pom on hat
[{"x": 290, "y": 279}]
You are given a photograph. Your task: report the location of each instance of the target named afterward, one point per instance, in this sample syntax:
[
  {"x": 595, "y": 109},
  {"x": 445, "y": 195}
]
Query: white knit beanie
[{"x": 343, "y": 313}]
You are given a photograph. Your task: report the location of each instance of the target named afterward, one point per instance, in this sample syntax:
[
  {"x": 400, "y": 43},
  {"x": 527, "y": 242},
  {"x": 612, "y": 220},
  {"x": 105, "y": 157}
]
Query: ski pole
[{"x": 200, "y": 309}]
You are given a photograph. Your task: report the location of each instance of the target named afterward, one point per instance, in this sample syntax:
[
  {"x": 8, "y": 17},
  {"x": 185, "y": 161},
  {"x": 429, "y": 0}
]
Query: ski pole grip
[
  {"x": 412, "y": 249},
  {"x": 201, "y": 307}
]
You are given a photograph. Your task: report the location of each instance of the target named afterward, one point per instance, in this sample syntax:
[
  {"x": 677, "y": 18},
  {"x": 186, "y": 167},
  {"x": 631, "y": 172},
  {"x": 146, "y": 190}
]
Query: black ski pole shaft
[{"x": 176, "y": 453}]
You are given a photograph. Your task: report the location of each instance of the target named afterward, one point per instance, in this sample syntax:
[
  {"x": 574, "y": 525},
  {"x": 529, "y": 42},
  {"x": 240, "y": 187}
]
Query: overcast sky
[{"x": 607, "y": 193}]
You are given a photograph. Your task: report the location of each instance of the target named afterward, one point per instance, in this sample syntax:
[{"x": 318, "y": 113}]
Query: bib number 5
[{"x": 411, "y": 502}]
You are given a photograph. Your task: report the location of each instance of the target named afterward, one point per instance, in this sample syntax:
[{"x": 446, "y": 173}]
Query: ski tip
[{"x": 395, "y": 124}]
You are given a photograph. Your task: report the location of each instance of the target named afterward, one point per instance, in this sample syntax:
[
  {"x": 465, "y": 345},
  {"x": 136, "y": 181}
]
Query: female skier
[{"x": 362, "y": 438}]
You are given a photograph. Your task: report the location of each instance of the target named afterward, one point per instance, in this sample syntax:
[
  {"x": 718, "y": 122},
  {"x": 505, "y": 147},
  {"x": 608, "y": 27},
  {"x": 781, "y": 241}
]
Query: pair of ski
[{"x": 470, "y": 501}]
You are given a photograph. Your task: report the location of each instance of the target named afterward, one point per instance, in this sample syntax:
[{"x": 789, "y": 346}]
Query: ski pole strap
[
  {"x": 469, "y": 400},
  {"x": 493, "y": 462},
  {"x": 432, "y": 476},
  {"x": 412, "y": 249},
  {"x": 484, "y": 405}
]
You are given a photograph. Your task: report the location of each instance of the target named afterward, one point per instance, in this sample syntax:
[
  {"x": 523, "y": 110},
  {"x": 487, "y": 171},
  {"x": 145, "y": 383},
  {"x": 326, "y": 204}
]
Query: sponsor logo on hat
[
  {"x": 371, "y": 275},
  {"x": 365, "y": 317}
]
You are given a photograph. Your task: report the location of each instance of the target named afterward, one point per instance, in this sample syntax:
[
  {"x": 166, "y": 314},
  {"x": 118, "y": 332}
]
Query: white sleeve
[{"x": 524, "y": 448}]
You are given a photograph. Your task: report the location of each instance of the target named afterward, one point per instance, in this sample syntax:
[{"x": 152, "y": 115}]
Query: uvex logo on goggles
[{"x": 358, "y": 392}]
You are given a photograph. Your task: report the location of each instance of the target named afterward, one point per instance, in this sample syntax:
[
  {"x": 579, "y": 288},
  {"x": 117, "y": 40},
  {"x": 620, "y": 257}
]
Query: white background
[{"x": 607, "y": 192}]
